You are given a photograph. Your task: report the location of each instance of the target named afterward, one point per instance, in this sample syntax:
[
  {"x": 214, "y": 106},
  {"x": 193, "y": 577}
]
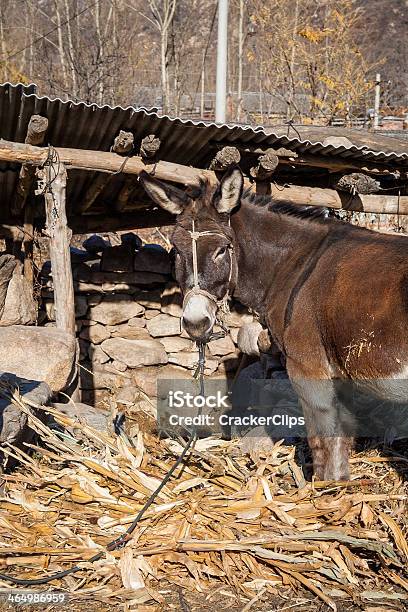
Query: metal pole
[
  {"x": 222, "y": 49},
  {"x": 377, "y": 100}
]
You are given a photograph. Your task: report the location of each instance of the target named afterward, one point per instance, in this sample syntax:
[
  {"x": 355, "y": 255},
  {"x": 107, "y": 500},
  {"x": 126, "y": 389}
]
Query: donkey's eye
[{"x": 220, "y": 252}]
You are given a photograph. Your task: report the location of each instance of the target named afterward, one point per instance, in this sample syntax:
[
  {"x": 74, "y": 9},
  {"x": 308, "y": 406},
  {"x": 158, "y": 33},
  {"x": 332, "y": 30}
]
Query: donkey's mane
[{"x": 312, "y": 213}]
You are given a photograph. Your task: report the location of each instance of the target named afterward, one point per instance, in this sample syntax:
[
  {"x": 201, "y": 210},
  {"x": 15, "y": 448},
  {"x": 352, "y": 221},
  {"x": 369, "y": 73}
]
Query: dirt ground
[{"x": 221, "y": 600}]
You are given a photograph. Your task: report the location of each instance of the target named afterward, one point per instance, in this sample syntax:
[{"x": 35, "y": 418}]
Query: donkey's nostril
[{"x": 203, "y": 322}]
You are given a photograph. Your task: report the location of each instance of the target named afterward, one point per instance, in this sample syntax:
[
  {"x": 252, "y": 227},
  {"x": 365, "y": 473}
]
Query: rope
[{"x": 122, "y": 540}]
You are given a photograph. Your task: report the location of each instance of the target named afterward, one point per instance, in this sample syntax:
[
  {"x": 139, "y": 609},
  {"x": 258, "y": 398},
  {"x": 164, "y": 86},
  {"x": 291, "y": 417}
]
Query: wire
[{"x": 58, "y": 27}]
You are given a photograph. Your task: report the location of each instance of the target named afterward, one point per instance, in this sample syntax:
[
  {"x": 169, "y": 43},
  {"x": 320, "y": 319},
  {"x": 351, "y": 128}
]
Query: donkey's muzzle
[{"x": 199, "y": 317}]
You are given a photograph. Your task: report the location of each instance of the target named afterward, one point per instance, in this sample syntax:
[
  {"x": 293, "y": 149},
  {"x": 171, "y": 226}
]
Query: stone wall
[{"x": 128, "y": 311}]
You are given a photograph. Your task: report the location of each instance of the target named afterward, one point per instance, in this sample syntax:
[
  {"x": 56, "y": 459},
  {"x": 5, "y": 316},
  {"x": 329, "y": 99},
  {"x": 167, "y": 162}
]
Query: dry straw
[{"x": 251, "y": 527}]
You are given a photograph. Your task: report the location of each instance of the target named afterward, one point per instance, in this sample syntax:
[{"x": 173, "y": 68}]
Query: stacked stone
[{"x": 128, "y": 311}]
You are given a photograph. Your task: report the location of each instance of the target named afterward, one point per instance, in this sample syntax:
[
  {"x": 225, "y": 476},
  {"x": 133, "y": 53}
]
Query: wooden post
[
  {"x": 36, "y": 130},
  {"x": 58, "y": 234}
]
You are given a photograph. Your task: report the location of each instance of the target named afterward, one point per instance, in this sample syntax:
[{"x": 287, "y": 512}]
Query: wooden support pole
[
  {"x": 59, "y": 238},
  {"x": 36, "y": 130},
  {"x": 168, "y": 171}
]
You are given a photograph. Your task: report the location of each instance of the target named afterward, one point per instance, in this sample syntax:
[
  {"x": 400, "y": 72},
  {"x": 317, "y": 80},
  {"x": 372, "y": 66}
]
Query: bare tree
[{"x": 162, "y": 16}]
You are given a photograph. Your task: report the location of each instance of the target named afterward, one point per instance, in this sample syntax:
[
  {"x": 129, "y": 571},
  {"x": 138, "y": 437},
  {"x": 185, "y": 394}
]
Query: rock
[
  {"x": 233, "y": 332},
  {"x": 13, "y": 421},
  {"x": 117, "y": 259},
  {"x": 221, "y": 347},
  {"x": 20, "y": 307},
  {"x": 109, "y": 279},
  {"x": 99, "y": 376},
  {"x": 129, "y": 332},
  {"x": 152, "y": 258},
  {"x": 164, "y": 325},
  {"x": 149, "y": 314},
  {"x": 80, "y": 287},
  {"x": 119, "y": 366},
  {"x": 95, "y": 333},
  {"x": 118, "y": 288},
  {"x": 87, "y": 322},
  {"x": 135, "y": 353},
  {"x": 88, "y": 415},
  {"x": 146, "y": 378},
  {"x": 189, "y": 360},
  {"x": 115, "y": 309},
  {"x": 238, "y": 316},
  {"x": 96, "y": 354},
  {"x": 137, "y": 322},
  {"x": 38, "y": 354},
  {"x": 95, "y": 244},
  {"x": 81, "y": 272},
  {"x": 172, "y": 300},
  {"x": 174, "y": 344},
  {"x": 149, "y": 299},
  {"x": 127, "y": 395},
  {"x": 132, "y": 240},
  {"x": 81, "y": 307},
  {"x": 229, "y": 363},
  {"x": 93, "y": 300}
]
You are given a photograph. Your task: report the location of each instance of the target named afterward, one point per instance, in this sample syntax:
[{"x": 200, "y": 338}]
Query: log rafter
[{"x": 177, "y": 173}]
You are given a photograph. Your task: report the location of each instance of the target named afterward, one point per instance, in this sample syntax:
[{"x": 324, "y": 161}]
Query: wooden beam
[
  {"x": 36, "y": 130},
  {"x": 331, "y": 163},
  {"x": 59, "y": 238},
  {"x": 168, "y": 171}
]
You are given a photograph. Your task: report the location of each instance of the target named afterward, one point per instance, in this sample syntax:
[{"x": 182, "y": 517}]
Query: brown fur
[{"x": 333, "y": 296}]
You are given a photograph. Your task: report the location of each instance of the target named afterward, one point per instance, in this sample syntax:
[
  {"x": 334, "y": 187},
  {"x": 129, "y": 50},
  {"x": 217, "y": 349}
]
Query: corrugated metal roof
[{"x": 89, "y": 126}]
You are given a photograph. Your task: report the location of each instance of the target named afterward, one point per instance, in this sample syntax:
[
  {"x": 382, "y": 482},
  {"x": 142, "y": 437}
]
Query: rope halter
[{"x": 222, "y": 304}]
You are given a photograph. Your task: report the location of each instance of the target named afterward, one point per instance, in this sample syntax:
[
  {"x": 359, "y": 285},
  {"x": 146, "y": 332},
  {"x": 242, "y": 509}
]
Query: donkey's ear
[
  {"x": 230, "y": 190},
  {"x": 168, "y": 197}
]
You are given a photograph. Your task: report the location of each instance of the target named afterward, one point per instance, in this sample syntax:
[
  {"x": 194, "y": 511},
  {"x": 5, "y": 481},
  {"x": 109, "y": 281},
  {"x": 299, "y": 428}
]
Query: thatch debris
[{"x": 253, "y": 530}]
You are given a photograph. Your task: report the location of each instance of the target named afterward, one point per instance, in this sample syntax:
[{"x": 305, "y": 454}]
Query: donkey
[{"x": 333, "y": 296}]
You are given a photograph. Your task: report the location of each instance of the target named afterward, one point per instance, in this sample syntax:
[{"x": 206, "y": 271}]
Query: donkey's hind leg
[{"x": 329, "y": 428}]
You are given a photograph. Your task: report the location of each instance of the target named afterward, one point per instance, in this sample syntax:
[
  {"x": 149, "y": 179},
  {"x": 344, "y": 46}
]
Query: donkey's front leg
[{"x": 329, "y": 428}]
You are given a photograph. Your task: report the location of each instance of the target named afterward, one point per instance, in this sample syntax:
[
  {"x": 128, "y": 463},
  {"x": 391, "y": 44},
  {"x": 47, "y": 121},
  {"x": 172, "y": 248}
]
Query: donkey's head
[{"x": 205, "y": 265}]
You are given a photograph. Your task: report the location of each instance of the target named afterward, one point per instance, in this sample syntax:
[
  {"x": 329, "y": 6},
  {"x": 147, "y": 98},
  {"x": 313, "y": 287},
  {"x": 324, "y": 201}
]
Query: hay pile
[{"x": 246, "y": 527}]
